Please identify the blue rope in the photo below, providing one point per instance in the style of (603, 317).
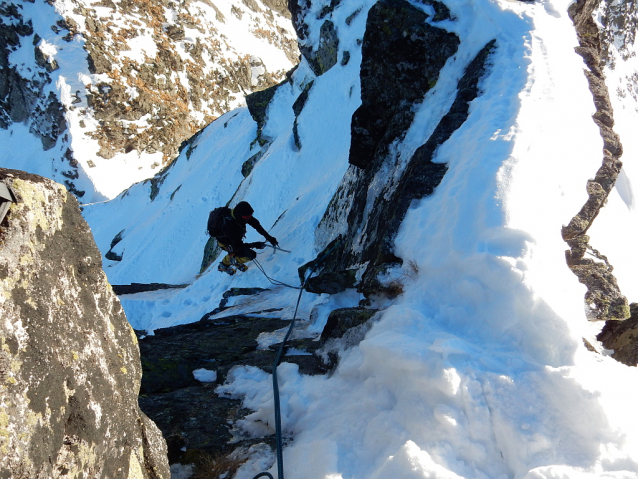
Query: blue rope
(275, 384)
(276, 282)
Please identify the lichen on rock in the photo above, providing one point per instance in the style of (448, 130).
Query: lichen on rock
(69, 360)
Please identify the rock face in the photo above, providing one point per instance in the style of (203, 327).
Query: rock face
(194, 419)
(622, 337)
(70, 367)
(395, 29)
(369, 238)
(603, 298)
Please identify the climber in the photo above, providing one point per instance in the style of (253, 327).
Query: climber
(228, 227)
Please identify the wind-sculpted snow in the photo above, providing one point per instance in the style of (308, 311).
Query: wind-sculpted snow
(476, 366)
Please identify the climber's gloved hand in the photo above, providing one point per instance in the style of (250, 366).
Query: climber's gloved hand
(272, 240)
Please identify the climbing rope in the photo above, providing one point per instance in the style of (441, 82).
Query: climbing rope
(276, 282)
(275, 383)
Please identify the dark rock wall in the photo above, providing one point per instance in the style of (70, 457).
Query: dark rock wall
(622, 338)
(603, 299)
(402, 58)
(70, 368)
(372, 227)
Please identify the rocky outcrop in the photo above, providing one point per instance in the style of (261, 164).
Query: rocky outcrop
(258, 103)
(622, 338)
(211, 252)
(297, 108)
(324, 57)
(398, 31)
(332, 282)
(193, 418)
(70, 368)
(603, 299)
(340, 321)
(371, 228)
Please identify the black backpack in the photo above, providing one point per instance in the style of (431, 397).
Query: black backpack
(219, 221)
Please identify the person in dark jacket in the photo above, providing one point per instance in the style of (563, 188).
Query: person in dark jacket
(232, 239)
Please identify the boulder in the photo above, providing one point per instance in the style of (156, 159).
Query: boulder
(344, 319)
(70, 367)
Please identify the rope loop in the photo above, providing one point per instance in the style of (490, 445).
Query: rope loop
(272, 281)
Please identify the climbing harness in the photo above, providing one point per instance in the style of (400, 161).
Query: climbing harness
(275, 383)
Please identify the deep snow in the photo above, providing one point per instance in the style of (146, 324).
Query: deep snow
(478, 370)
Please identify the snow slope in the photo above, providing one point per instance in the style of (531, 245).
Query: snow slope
(478, 370)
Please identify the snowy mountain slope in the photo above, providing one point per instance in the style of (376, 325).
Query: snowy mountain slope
(113, 88)
(478, 368)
